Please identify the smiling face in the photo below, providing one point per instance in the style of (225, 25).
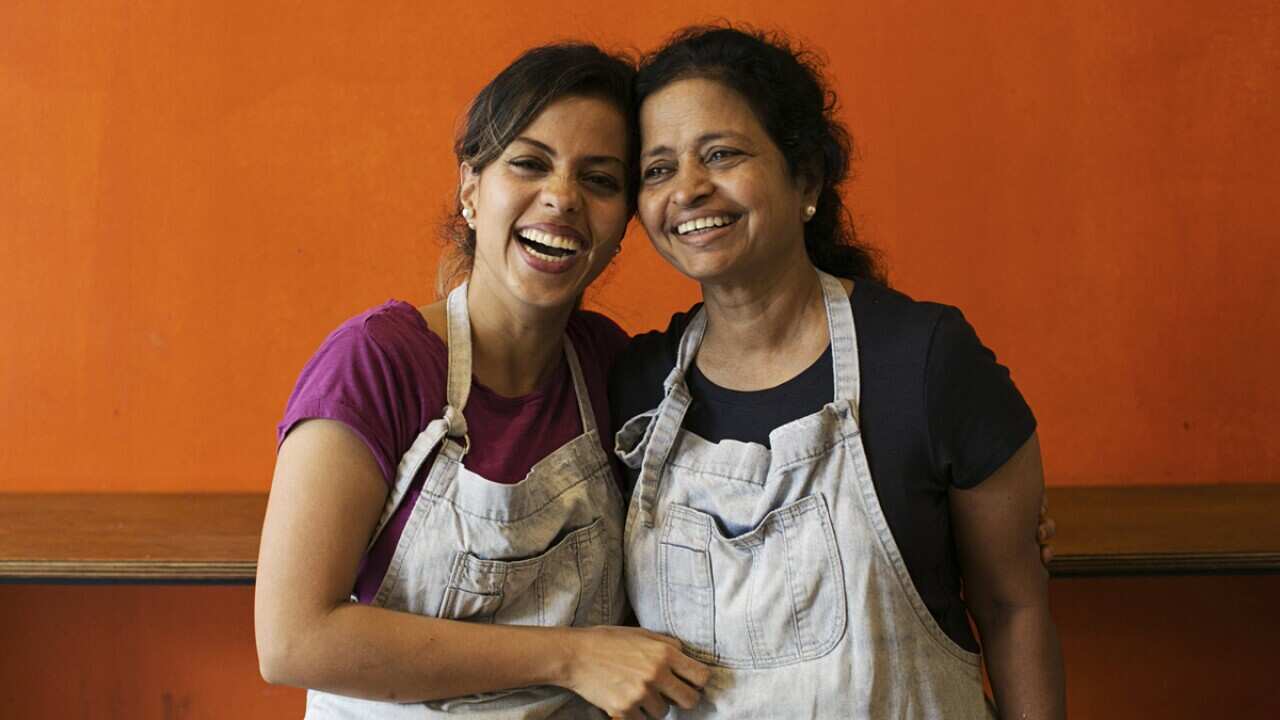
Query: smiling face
(716, 196)
(552, 208)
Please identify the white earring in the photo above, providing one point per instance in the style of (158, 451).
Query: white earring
(467, 214)
(809, 212)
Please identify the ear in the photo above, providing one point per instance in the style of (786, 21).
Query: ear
(468, 185)
(809, 179)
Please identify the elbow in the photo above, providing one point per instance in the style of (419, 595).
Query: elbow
(279, 656)
(274, 661)
(1000, 611)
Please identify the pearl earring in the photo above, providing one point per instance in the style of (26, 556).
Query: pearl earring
(467, 214)
(809, 212)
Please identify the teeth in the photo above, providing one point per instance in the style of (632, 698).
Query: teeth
(555, 241)
(701, 223)
(544, 256)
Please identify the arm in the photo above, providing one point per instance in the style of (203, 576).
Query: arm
(326, 497)
(1006, 587)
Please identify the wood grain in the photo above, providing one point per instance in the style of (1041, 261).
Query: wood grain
(1131, 530)
(1163, 530)
(141, 537)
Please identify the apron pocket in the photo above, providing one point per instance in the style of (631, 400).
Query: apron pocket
(461, 604)
(688, 598)
(770, 597)
(547, 589)
(630, 441)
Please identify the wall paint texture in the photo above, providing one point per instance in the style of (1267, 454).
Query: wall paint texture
(193, 197)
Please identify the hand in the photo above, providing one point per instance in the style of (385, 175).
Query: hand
(633, 673)
(1046, 531)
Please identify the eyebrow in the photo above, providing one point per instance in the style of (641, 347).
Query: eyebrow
(590, 159)
(702, 140)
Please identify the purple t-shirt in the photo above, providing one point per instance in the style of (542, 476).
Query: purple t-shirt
(382, 373)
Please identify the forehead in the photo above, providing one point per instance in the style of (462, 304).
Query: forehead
(581, 126)
(693, 107)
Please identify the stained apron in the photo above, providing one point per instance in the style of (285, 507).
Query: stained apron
(776, 565)
(545, 551)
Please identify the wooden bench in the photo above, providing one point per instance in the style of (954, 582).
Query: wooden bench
(213, 538)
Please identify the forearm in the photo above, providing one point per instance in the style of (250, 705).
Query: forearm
(380, 654)
(1024, 661)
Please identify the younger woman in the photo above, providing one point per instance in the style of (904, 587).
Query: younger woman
(450, 462)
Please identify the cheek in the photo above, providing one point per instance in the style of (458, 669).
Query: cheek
(649, 210)
(609, 222)
(500, 201)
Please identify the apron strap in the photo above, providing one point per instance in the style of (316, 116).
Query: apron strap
(407, 470)
(452, 425)
(844, 342)
(580, 387)
(667, 421)
(458, 386)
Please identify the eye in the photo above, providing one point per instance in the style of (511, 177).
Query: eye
(603, 182)
(528, 164)
(655, 173)
(721, 154)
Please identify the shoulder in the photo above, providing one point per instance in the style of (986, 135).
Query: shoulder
(898, 330)
(378, 373)
(387, 344)
(896, 326)
(390, 339)
(596, 338)
(395, 327)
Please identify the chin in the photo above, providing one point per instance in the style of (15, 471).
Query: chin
(704, 268)
(540, 295)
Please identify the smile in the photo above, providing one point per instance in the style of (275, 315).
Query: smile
(704, 224)
(545, 246)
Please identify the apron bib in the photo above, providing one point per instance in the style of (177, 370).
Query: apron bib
(776, 565)
(545, 551)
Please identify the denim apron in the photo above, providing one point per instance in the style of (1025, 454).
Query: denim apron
(545, 551)
(776, 565)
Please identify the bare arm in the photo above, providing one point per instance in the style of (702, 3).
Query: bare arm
(1006, 587)
(326, 497)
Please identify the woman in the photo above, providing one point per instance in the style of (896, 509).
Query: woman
(450, 462)
(805, 445)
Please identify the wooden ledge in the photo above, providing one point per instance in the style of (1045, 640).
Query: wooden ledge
(1166, 530)
(1102, 531)
(130, 537)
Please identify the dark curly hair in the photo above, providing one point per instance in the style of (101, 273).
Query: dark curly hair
(513, 99)
(783, 84)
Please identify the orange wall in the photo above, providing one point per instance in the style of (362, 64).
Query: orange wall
(192, 198)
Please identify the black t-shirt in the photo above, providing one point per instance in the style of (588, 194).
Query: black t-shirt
(937, 410)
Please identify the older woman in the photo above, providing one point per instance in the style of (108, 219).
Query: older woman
(818, 461)
(444, 526)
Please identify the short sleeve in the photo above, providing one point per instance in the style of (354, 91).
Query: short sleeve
(357, 380)
(977, 418)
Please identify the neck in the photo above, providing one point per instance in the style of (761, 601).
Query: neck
(764, 331)
(515, 347)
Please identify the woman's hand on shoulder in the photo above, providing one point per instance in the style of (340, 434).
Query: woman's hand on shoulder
(1046, 531)
(633, 673)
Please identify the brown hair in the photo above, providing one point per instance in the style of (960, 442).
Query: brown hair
(512, 100)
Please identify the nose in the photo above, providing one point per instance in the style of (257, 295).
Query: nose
(692, 185)
(561, 193)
